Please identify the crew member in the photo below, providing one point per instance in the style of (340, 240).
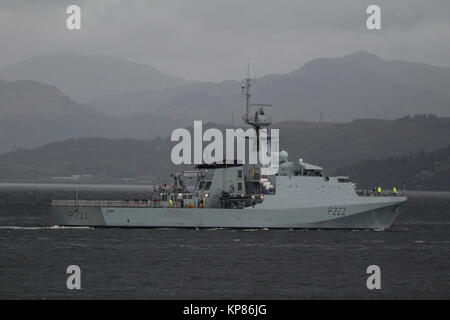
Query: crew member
(395, 191)
(379, 191)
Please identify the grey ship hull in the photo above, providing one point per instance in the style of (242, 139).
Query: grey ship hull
(376, 215)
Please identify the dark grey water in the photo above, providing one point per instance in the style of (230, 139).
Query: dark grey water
(212, 263)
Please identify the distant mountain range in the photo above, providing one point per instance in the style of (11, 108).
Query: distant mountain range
(334, 145)
(331, 145)
(419, 171)
(103, 158)
(359, 85)
(27, 98)
(87, 77)
(34, 113)
(131, 100)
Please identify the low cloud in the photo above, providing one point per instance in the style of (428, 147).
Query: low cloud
(211, 39)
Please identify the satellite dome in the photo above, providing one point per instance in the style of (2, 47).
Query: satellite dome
(283, 156)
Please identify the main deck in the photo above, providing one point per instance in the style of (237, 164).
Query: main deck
(104, 203)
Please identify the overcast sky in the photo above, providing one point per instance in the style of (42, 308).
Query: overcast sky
(211, 39)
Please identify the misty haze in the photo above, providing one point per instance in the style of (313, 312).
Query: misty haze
(86, 118)
(91, 87)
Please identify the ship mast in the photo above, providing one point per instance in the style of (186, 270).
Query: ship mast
(246, 93)
(255, 114)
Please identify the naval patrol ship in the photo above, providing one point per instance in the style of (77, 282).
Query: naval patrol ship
(238, 195)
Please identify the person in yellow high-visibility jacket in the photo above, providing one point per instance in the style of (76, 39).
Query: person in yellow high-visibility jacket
(170, 203)
(379, 190)
(395, 191)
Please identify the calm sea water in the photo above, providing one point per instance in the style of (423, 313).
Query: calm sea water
(414, 257)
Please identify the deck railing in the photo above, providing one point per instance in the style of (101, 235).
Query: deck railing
(371, 193)
(115, 203)
(103, 203)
